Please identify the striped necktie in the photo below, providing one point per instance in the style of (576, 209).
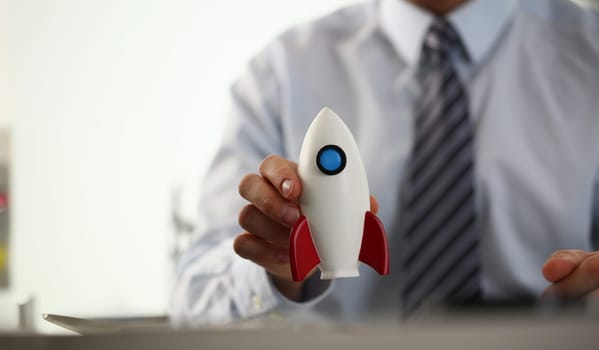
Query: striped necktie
(440, 262)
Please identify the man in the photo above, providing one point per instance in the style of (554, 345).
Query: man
(479, 129)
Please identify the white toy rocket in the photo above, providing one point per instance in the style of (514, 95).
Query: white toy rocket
(336, 228)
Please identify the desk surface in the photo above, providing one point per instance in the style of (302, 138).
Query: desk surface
(531, 332)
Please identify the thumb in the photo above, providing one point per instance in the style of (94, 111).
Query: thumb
(561, 264)
(374, 205)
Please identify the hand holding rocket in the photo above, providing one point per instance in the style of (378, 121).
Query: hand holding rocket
(273, 194)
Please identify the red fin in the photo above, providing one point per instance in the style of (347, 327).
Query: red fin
(375, 249)
(302, 253)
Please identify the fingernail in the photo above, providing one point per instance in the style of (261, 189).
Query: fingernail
(290, 215)
(567, 256)
(286, 187)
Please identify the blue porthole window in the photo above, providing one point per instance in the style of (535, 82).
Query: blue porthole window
(331, 160)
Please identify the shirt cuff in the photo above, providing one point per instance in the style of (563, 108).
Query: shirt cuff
(255, 293)
(314, 291)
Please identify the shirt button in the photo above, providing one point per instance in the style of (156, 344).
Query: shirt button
(257, 302)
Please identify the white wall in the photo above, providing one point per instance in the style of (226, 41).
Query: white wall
(5, 95)
(117, 102)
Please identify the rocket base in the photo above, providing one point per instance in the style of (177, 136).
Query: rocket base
(329, 275)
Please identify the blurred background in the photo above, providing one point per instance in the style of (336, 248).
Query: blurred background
(110, 111)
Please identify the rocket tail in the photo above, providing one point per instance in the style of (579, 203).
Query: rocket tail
(302, 253)
(375, 249)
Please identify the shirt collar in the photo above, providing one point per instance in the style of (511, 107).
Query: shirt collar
(479, 23)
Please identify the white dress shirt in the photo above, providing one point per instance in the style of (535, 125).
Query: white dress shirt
(533, 83)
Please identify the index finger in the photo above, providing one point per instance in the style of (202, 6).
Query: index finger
(562, 263)
(282, 174)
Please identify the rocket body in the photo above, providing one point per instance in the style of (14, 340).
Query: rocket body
(335, 204)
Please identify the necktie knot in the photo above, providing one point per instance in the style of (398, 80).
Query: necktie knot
(440, 40)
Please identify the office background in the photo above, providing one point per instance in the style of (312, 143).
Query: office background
(114, 109)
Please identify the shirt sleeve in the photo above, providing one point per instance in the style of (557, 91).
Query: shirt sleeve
(213, 284)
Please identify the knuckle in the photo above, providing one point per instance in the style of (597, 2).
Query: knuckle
(267, 204)
(245, 216)
(282, 240)
(246, 184)
(591, 266)
(282, 170)
(239, 245)
(267, 162)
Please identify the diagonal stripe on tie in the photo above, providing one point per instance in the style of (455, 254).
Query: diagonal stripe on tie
(460, 264)
(420, 262)
(431, 285)
(430, 213)
(442, 163)
(428, 141)
(424, 266)
(440, 260)
(437, 233)
(464, 287)
(439, 141)
(441, 111)
(434, 86)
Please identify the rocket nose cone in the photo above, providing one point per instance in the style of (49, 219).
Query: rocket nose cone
(326, 111)
(327, 115)
(328, 120)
